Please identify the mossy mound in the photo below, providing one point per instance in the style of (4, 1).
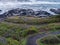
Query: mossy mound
(50, 40)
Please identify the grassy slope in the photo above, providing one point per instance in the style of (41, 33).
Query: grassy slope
(20, 30)
(48, 38)
(32, 20)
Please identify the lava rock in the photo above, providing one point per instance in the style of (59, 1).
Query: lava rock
(26, 12)
(56, 11)
(0, 10)
(42, 13)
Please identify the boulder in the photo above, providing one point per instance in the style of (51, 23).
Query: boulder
(42, 13)
(56, 11)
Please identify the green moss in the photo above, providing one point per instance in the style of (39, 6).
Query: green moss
(28, 31)
(50, 40)
(12, 42)
(23, 42)
(51, 27)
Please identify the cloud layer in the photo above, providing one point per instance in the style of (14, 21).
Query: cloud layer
(9, 5)
(38, 2)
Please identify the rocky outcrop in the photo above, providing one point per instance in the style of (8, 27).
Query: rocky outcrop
(42, 13)
(0, 10)
(21, 12)
(3, 16)
(56, 11)
(25, 12)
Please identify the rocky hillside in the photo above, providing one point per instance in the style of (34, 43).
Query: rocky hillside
(26, 12)
(29, 12)
(56, 11)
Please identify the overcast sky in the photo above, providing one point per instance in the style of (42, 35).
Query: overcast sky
(9, 4)
(30, 2)
(33, 0)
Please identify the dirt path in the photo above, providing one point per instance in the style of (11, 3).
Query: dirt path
(32, 40)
